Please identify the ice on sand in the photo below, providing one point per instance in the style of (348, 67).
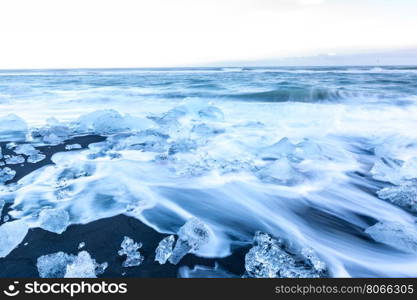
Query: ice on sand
(12, 128)
(14, 159)
(164, 249)
(131, 249)
(33, 154)
(191, 236)
(72, 146)
(54, 220)
(60, 264)
(6, 174)
(11, 235)
(269, 258)
(53, 133)
(401, 236)
(83, 266)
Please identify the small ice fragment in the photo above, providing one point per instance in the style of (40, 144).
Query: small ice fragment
(6, 218)
(54, 220)
(164, 249)
(72, 146)
(280, 171)
(35, 158)
(130, 249)
(191, 236)
(12, 128)
(25, 244)
(268, 258)
(83, 266)
(81, 245)
(53, 265)
(6, 174)
(400, 236)
(211, 113)
(14, 159)
(404, 196)
(11, 235)
(282, 148)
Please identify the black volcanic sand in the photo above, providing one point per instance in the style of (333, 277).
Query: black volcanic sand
(102, 238)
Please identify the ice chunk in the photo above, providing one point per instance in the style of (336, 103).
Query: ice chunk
(1, 153)
(191, 236)
(388, 170)
(11, 235)
(35, 158)
(309, 150)
(53, 265)
(6, 174)
(130, 249)
(164, 249)
(280, 149)
(53, 133)
(211, 113)
(148, 140)
(83, 266)
(206, 130)
(2, 203)
(270, 259)
(14, 159)
(72, 146)
(60, 264)
(182, 145)
(404, 195)
(26, 149)
(280, 171)
(12, 128)
(54, 220)
(110, 121)
(401, 236)
(81, 245)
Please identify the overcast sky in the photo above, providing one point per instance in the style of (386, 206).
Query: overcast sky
(163, 33)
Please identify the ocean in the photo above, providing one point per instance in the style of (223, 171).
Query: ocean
(314, 164)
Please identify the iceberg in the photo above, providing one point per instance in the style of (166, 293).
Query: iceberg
(269, 258)
(397, 235)
(130, 249)
(12, 128)
(191, 236)
(54, 220)
(164, 249)
(11, 235)
(6, 174)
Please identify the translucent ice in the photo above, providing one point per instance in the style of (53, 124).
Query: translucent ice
(6, 174)
(12, 128)
(164, 249)
(191, 236)
(53, 133)
(14, 159)
(404, 195)
(72, 146)
(211, 113)
(282, 148)
(33, 154)
(83, 266)
(54, 220)
(11, 235)
(182, 145)
(401, 236)
(280, 171)
(270, 259)
(60, 264)
(53, 265)
(35, 158)
(206, 130)
(131, 249)
(388, 170)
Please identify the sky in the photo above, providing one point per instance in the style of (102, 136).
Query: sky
(173, 33)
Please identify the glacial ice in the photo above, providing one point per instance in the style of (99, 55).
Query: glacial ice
(11, 235)
(404, 195)
(397, 235)
(6, 174)
(110, 121)
(212, 113)
(12, 128)
(14, 159)
(35, 158)
(191, 236)
(33, 154)
(54, 220)
(81, 245)
(164, 249)
(2, 203)
(131, 249)
(268, 258)
(72, 146)
(53, 133)
(283, 148)
(60, 265)
(280, 171)
(388, 170)
(1, 153)
(83, 266)
(182, 145)
(206, 130)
